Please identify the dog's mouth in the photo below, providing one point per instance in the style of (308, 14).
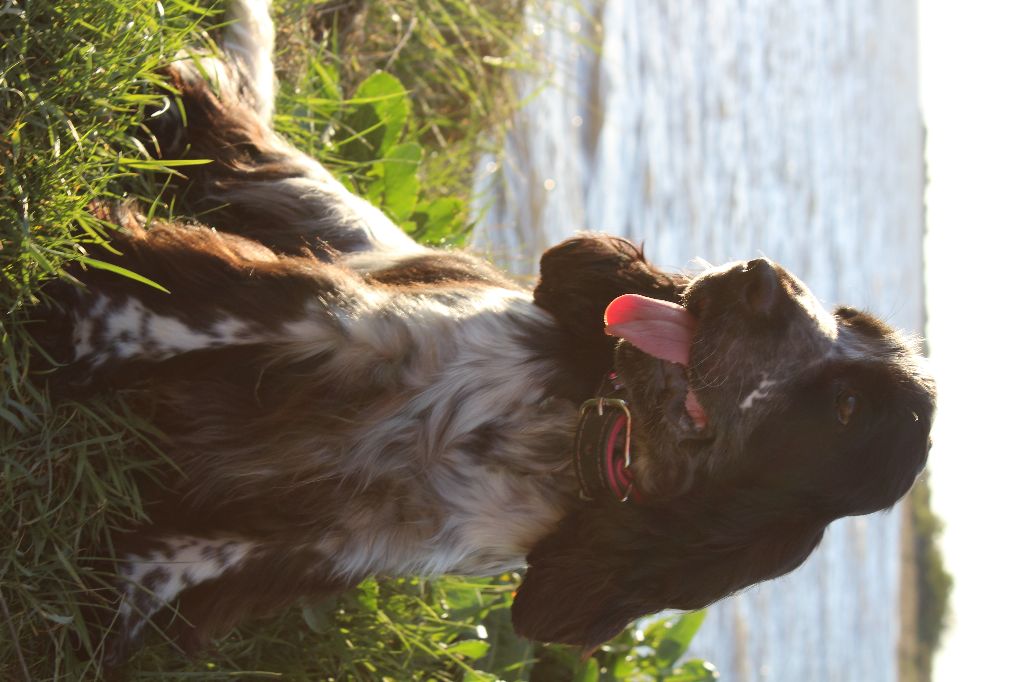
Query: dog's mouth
(664, 331)
(681, 407)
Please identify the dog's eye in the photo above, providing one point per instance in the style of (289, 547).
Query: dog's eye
(846, 405)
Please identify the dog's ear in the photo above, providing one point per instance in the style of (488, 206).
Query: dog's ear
(582, 275)
(578, 587)
(608, 564)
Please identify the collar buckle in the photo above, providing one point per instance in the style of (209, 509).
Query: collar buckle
(601, 421)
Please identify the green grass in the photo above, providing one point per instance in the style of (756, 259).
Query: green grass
(452, 56)
(75, 78)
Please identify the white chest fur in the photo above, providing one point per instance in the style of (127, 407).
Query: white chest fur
(481, 448)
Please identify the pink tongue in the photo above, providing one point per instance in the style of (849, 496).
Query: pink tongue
(659, 328)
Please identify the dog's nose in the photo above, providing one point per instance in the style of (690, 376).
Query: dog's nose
(761, 287)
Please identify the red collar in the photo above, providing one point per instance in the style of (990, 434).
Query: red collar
(601, 449)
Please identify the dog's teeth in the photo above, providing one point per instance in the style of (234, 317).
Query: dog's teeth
(696, 411)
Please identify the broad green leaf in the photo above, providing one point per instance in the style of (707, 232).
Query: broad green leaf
(401, 186)
(378, 114)
(461, 598)
(624, 666)
(588, 672)
(676, 638)
(470, 648)
(439, 221)
(511, 655)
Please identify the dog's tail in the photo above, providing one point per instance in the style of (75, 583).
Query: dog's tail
(248, 41)
(254, 182)
(242, 70)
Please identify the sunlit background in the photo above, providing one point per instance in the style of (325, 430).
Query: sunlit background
(972, 58)
(811, 131)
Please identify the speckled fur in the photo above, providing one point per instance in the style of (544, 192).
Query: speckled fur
(330, 391)
(376, 428)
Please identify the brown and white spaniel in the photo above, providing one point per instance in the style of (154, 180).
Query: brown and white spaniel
(339, 402)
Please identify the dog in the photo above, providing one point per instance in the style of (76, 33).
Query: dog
(340, 402)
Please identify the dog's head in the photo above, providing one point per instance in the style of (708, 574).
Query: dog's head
(759, 418)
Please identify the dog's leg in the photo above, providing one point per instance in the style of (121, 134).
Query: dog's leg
(222, 291)
(219, 580)
(152, 578)
(257, 184)
(270, 579)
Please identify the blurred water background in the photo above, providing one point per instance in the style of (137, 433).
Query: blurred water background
(723, 130)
